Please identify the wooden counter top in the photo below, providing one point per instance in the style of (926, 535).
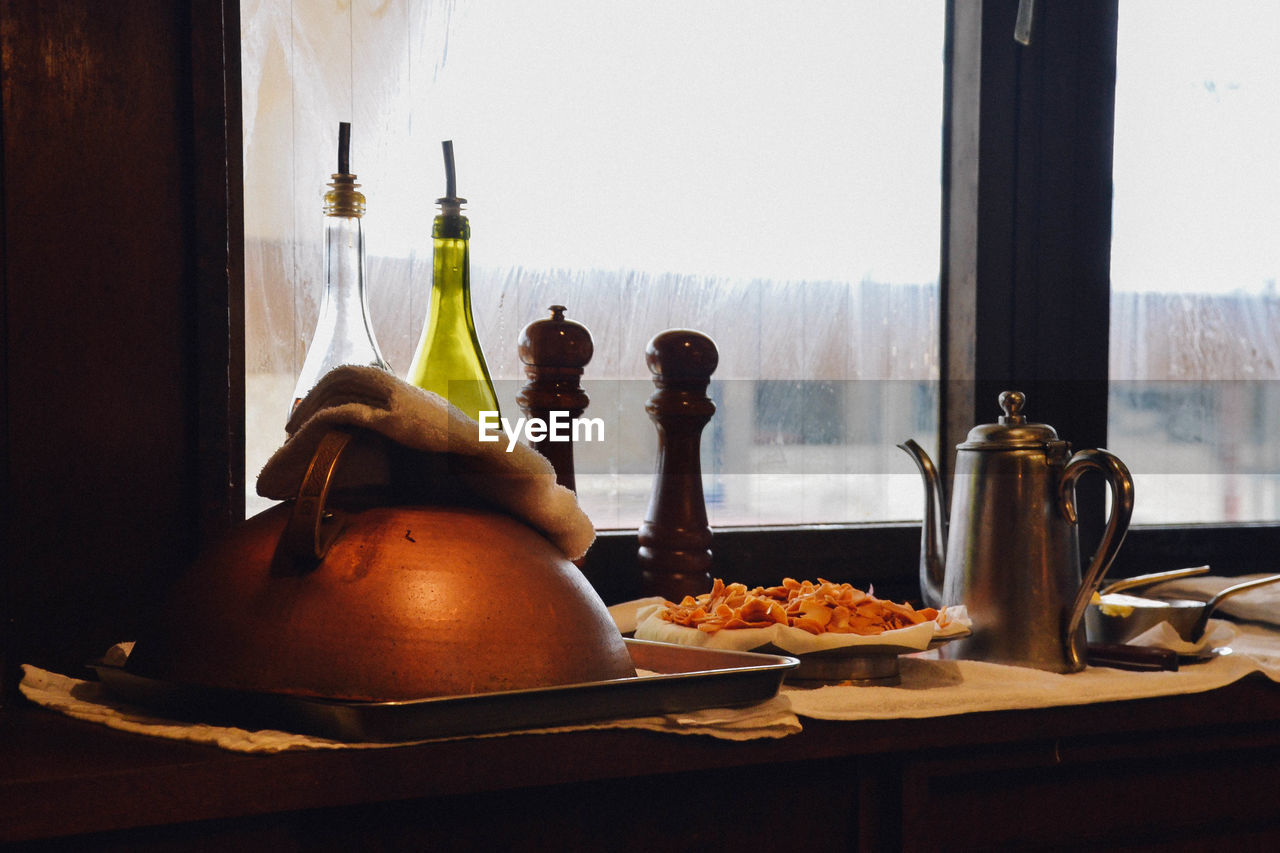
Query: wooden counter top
(1137, 769)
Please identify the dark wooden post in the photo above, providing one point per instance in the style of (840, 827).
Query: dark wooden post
(554, 352)
(675, 541)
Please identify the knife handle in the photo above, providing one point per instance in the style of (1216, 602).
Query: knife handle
(1141, 658)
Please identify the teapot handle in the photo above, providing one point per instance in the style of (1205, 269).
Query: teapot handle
(1121, 484)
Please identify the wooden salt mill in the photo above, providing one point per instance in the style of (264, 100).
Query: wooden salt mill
(675, 541)
(554, 352)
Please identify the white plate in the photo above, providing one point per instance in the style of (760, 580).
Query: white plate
(858, 658)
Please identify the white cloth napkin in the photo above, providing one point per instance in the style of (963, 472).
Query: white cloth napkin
(929, 687)
(88, 700)
(521, 481)
(1217, 633)
(933, 688)
(627, 614)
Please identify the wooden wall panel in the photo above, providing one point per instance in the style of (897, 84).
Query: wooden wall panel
(114, 240)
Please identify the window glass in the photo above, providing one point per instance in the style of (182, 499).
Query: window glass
(765, 173)
(1195, 324)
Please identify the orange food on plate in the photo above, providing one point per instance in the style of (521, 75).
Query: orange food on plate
(822, 607)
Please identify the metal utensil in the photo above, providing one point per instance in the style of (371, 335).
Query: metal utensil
(1197, 630)
(1138, 658)
(1152, 577)
(1121, 617)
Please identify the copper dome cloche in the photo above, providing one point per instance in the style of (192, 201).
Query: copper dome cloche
(338, 595)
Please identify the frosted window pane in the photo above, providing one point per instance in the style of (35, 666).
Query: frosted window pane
(768, 177)
(1195, 329)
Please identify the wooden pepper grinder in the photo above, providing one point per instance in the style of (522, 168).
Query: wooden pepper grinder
(675, 541)
(554, 352)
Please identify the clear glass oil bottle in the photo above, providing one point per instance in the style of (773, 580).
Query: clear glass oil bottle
(343, 332)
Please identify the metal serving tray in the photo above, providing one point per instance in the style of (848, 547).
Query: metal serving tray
(688, 679)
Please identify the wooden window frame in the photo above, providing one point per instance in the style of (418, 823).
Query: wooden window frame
(1027, 247)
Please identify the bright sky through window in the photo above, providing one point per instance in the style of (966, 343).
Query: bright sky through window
(1197, 171)
(747, 139)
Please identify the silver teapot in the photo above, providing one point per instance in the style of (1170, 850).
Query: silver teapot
(1012, 552)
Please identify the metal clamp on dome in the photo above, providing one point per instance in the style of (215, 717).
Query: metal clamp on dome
(311, 529)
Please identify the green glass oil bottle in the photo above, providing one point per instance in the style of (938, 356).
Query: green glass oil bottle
(449, 360)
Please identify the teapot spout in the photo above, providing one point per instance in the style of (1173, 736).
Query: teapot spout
(933, 533)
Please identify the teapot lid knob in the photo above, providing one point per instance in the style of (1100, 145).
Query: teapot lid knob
(1012, 402)
(1012, 431)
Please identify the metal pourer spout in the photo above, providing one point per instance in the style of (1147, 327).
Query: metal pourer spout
(450, 204)
(343, 199)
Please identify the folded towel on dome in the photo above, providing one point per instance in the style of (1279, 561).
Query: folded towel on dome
(520, 481)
